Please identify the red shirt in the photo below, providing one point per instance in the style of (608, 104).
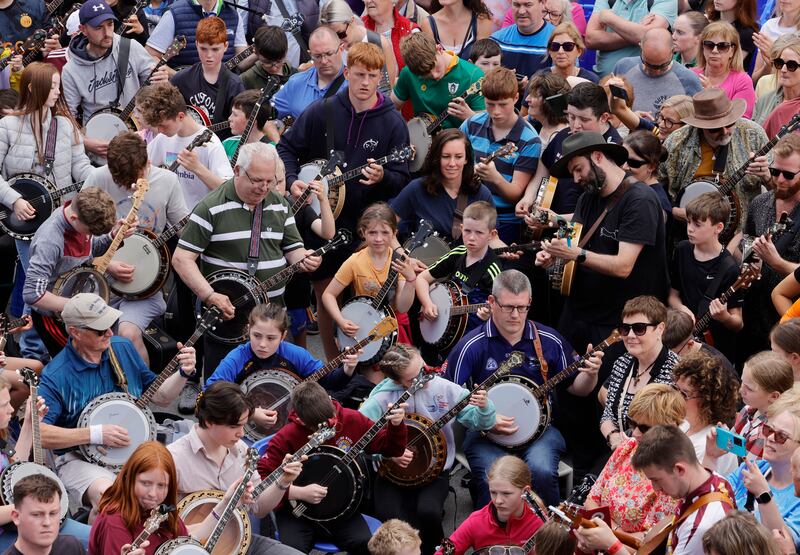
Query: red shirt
(482, 529)
(109, 534)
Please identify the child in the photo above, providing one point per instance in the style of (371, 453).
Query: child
(312, 407)
(553, 538)
(703, 269)
(785, 340)
(366, 270)
(395, 537)
(507, 519)
(473, 265)
(267, 348)
(270, 46)
(486, 54)
(422, 506)
(243, 106)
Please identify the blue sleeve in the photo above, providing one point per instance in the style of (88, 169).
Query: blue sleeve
(49, 391)
(485, 194)
(528, 159)
(403, 203)
(645, 124)
(229, 368)
(668, 9)
(460, 361)
(736, 481)
(474, 418)
(281, 99)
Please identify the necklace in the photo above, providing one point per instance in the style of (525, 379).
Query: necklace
(639, 375)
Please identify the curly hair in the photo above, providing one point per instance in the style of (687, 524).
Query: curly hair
(95, 209)
(717, 389)
(127, 158)
(160, 102)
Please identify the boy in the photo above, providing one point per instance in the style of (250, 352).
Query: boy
(507, 176)
(270, 46)
(703, 269)
(486, 54)
(201, 170)
(209, 85)
(313, 406)
(473, 265)
(433, 78)
(243, 106)
(395, 537)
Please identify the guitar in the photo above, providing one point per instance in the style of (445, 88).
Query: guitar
(9, 326)
(266, 93)
(540, 208)
(204, 137)
(562, 272)
(157, 516)
(505, 150)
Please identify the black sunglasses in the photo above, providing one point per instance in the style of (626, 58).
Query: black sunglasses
(343, 34)
(639, 328)
(556, 46)
(721, 47)
(787, 175)
(719, 129)
(644, 428)
(791, 65)
(636, 164)
(656, 67)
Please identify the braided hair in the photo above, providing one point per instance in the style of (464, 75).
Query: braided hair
(397, 359)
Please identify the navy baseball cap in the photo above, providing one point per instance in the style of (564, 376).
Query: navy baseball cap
(95, 12)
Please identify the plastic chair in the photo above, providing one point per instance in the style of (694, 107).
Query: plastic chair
(261, 444)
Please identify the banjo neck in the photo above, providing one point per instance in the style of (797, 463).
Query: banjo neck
(171, 231)
(532, 246)
(336, 361)
(267, 91)
(54, 5)
(467, 309)
(391, 279)
(101, 263)
(157, 516)
(36, 434)
(473, 89)
(230, 508)
(289, 271)
(239, 58)
(544, 390)
(339, 180)
(221, 126)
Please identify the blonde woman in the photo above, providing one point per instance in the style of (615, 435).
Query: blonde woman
(564, 47)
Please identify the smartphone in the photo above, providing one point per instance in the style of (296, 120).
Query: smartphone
(731, 442)
(557, 103)
(619, 92)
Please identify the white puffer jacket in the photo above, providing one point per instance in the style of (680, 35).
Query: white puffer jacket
(18, 154)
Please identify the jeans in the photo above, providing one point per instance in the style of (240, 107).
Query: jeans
(541, 455)
(30, 345)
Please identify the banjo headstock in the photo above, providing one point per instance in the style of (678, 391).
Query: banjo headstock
(323, 434)
(29, 376)
(385, 327)
(157, 516)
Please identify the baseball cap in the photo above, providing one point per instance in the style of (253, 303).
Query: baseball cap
(95, 12)
(87, 310)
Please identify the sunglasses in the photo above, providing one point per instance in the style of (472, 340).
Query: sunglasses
(636, 164)
(779, 437)
(644, 428)
(721, 47)
(787, 175)
(343, 34)
(656, 67)
(556, 46)
(718, 130)
(791, 65)
(98, 333)
(639, 328)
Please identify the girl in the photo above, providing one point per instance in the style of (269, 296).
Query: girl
(742, 15)
(645, 153)
(147, 480)
(268, 348)
(686, 37)
(785, 340)
(507, 518)
(422, 507)
(366, 270)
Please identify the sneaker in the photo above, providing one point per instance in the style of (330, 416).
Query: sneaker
(312, 328)
(188, 398)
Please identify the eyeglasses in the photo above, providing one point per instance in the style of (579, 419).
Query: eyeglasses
(343, 34)
(508, 308)
(686, 396)
(718, 130)
(779, 437)
(787, 175)
(636, 164)
(323, 55)
(556, 46)
(644, 428)
(639, 328)
(547, 14)
(791, 65)
(656, 67)
(258, 182)
(272, 63)
(668, 123)
(721, 47)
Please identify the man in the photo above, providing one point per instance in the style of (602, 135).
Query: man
(364, 126)
(208, 85)
(243, 106)
(480, 352)
(655, 76)
(507, 176)
(163, 205)
(270, 46)
(665, 455)
(524, 44)
(94, 363)
(91, 78)
(321, 81)
(218, 234)
(200, 170)
(715, 141)
(616, 28)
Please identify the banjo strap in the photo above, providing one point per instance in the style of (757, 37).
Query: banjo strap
(50, 146)
(255, 239)
(458, 215)
(537, 346)
(119, 374)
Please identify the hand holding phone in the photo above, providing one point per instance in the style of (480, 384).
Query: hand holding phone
(731, 442)
(619, 92)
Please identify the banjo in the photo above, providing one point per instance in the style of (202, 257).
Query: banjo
(204, 137)
(747, 276)
(268, 90)
(562, 272)
(109, 122)
(423, 126)
(427, 440)
(42, 194)
(30, 48)
(320, 170)
(340, 472)
(186, 545)
(727, 186)
(249, 291)
(432, 249)
(366, 311)
(540, 208)
(18, 470)
(529, 403)
(449, 326)
(10, 326)
(132, 414)
(271, 389)
(90, 278)
(157, 516)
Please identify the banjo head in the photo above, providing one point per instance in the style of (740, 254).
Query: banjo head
(36, 190)
(118, 409)
(513, 396)
(440, 332)
(307, 173)
(15, 472)
(235, 284)
(182, 546)
(344, 482)
(430, 251)
(694, 190)
(235, 539)
(106, 125)
(269, 389)
(138, 250)
(420, 139)
(360, 310)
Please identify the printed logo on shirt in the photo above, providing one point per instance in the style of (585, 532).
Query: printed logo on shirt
(344, 443)
(491, 364)
(452, 88)
(108, 78)
(610, 234)
(439, 404)
(204, 101)
(25, 20)
(370, 145)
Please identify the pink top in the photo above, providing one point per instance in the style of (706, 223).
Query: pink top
(578, 18)
(737, 84)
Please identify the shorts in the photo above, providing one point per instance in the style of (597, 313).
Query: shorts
(140, 313)
(78, 474)
(298, 320)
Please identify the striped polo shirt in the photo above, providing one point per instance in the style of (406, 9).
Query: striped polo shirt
(525, 54)
(219, 230)
(526, 158)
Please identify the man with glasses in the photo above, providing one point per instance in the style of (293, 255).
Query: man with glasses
(321, 81)
(481, 351)
(654, 75)
(270, 47)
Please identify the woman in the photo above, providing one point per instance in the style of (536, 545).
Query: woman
(564, 47)
(383, 18)
(686, 37)
(742, 15)
(670, 117)
(786, 64)
(338, 15)
(647, 360)
(457, 24)
(147, 480)
(633, 503)
(785, 341)
(785, 22)
(786, 83)
(719, 64)
(448, 172)
(541, 115)
(645, 153)
(711, 393)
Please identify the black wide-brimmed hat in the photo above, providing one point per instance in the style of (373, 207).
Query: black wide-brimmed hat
(579, 144)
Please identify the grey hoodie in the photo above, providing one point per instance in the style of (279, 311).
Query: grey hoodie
(91, 84)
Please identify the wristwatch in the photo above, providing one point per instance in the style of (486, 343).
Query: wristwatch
(581, 257)
(764, 498)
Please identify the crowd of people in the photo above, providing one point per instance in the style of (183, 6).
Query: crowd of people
(531, 244)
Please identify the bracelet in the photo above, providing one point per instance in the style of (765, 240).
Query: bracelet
(281, 486)
(615, 548)
(214, 512)
(184, 374)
